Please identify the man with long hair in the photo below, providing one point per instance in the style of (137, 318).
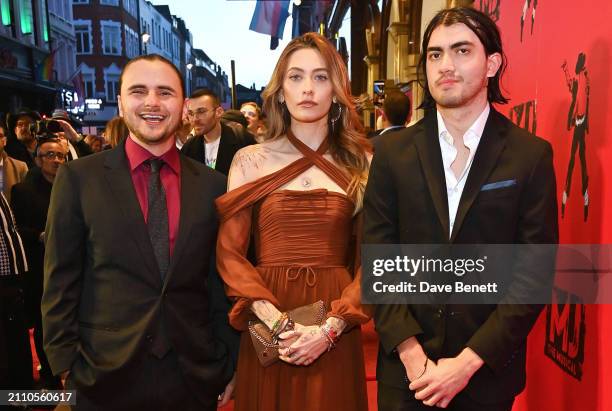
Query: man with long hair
(463, 175)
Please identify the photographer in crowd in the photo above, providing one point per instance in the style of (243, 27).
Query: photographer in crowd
(21, 142)
(75, 143)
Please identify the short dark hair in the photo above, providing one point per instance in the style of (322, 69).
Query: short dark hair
(40, 141)
(152, 57)
(396, 107)
(201, 92)
(236, 116)
(488, 34)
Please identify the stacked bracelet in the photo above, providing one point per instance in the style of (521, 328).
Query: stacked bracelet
(278, 323)
(282, 324)
(330, 335)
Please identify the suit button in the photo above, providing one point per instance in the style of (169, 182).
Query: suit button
(149, 338)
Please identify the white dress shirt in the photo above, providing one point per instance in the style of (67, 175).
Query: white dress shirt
(454, 185)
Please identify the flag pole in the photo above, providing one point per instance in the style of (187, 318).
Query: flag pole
(234, 97)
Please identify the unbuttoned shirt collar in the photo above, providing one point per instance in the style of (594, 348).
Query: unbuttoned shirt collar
(471, 139)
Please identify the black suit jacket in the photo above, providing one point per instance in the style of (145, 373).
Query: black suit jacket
(19, 151)
(375, 140)
(228, 146)
(30, 203)
(82, 149)
(406, 203)
(105, 306)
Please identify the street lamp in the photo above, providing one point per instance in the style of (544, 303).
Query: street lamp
(189, 66)
(145, 39)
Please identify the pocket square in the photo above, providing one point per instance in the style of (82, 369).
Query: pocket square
(498, 184)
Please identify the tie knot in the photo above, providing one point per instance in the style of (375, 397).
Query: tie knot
(156, 164)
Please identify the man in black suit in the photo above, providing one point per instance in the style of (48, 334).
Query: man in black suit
(129, 239)
(463, 175)
(213, 143)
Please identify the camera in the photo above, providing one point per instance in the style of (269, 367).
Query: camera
(45, 126)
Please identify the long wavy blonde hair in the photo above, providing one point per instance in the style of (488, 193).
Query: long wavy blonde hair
(348, 145)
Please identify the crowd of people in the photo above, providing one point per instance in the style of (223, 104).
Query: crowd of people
(194, 254)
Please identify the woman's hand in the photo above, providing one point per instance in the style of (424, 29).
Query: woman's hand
(228, 393)
(308, 343)
(266, 312)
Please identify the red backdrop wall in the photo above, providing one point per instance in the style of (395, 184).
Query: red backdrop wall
(569, 358)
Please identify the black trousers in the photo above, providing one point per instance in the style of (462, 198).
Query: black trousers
(15, 351)
(160, 386)
(396, 399)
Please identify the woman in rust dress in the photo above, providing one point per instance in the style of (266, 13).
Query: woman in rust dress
(298, 195)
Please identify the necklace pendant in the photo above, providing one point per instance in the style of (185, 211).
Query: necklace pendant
(306, 182)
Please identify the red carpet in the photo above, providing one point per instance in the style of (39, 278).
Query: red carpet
(370, 351)
(370, 347)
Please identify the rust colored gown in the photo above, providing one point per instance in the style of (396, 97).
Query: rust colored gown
(304, 244)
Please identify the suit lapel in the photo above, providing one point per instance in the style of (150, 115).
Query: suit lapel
(200, 149)
(430, 156)
(117, 174)
(490, 147)
(188, 211)
(226, 148)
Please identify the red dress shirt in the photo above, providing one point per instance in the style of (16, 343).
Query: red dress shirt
(170, 177)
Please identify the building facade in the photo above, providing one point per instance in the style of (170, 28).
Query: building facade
(63, 51)
(63, 40)
(25, 61)
(247, 94)
(179, 28)
(107, 36)
(111, 32)
(207, 74)
(155, 30)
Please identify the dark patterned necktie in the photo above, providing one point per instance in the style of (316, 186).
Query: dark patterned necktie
(157, 221)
